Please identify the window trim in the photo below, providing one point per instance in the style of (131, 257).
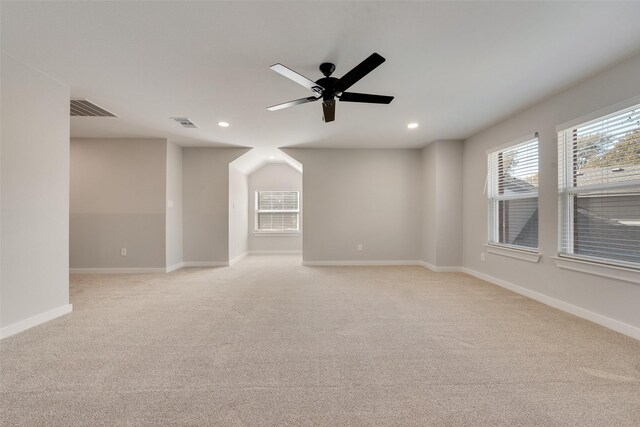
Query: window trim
(599, 114)
(592, 265)
(612, 271)
(511, 251)
(275, 233)
(492, 217)
(513, 144)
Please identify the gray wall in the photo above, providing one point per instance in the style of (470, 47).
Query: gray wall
(118, 196)
(442, 203)
(274, 176)
(205, 198)
(238, 213)
(449, 202)
(615, 299)
(174, 205)
(429, 214)
(34, 194)
(368, 197)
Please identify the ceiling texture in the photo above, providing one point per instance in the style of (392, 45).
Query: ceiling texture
(454, 67)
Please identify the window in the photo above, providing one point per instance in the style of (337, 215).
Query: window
(513, 195)
(599, 189)
(277, 211)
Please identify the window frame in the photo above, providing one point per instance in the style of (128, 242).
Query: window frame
(566, 209)
(257, 212)
(493, 202)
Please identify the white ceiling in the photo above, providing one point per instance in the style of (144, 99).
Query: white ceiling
(454, 67)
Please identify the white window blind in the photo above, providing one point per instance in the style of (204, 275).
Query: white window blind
(599, 189)
(513, 195)
(277, 211)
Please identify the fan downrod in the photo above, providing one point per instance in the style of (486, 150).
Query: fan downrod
(327, 68)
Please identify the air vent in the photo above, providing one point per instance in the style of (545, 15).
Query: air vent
(185, 122)
(84, 108)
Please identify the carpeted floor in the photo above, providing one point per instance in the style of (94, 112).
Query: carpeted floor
(269, 342)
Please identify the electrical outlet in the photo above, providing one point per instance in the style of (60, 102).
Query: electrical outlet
(482, 256)
(123, 251)
(359, 246)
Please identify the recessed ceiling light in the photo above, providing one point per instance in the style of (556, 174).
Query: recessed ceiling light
(271, 157)
(223, 124)
(412, 125)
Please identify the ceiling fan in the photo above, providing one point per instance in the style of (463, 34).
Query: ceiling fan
(329, 88)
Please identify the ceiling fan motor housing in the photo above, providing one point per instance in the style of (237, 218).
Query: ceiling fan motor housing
(329, 84)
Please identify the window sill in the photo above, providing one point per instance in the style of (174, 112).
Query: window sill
(276, 233)
(603, 270)
(523, 255)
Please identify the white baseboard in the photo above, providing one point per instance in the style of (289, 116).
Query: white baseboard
(152, 270)
(174, 267)
(440, 269)
(238, 258)
(116, 270)
(360, 263)
(36, 320)
(205, 264)
(424, 264)
(274, 252)
(607, 322)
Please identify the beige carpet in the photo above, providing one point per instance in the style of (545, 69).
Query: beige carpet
(269, 342)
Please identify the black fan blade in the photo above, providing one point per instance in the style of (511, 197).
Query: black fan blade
(329, 110)
(365, 97)
(292, 103)
(359, 71)
(298, 78)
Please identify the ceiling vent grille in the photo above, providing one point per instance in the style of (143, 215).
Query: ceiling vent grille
(185, 122)
(84, 108)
